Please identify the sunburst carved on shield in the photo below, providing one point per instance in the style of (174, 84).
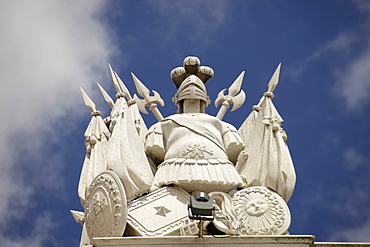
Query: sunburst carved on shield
(105, 207)
(261, 211)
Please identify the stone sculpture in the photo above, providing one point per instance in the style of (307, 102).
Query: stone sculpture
(137, 182)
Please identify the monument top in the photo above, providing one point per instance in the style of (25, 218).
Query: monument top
(137, 181)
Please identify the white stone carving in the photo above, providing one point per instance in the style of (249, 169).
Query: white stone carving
(231, 98)
(105, 206)
(137, 182)
(78, 216)
(261, 211)
(96, 142)
(125, 154)
(160, 213)
(225, 216)
(195, 153)
(266, 160)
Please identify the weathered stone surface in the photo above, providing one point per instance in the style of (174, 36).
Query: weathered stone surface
(250, 241)
(341, 244)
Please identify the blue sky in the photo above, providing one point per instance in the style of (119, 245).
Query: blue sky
(49, 49)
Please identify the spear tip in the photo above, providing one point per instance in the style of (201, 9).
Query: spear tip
(141, 89)
(114, 79)
(123, 87)
(274, 80)
(106, 96)
(88, 102)
(237, 84)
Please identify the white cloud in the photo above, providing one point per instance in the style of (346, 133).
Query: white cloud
(351, 80)
(353, 84)
(40, 233)
(48, 49)
(357, 234)
(191, 20)
(340, 45)
(352, 159)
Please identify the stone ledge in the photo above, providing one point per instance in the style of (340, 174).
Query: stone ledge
(221, 241)
(341, 244)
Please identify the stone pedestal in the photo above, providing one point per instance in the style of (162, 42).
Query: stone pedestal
(220, 241)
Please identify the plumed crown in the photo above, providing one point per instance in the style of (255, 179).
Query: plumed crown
(190, 80)
(191, 67)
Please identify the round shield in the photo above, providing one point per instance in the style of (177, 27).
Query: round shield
(261, 211)
(105, 206)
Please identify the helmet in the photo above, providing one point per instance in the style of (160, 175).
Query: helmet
(191, 88)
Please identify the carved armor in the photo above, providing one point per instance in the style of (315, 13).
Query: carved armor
(196, 152)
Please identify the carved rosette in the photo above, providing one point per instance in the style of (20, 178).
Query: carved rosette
(261, 211)
(106, 207)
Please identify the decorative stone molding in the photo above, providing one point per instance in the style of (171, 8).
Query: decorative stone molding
(193, 241)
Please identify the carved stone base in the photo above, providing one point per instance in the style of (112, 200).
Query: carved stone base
(255, 241)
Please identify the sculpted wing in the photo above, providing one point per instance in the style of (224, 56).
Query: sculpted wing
(266, 159)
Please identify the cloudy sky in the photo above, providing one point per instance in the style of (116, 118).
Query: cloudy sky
(49, 49)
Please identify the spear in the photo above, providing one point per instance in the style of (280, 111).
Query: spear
(115, 81)
(150, 101)
(123, 88)
(120, 86)
(106, 96)
(229, 99)
(89, 103)
(273, 81)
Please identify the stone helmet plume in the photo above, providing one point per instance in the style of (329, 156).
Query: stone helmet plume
(190, 80)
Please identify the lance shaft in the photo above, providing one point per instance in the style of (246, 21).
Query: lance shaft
(154, 108)
(221, 113)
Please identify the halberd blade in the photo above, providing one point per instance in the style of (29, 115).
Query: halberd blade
(238, 100)
(220, 97)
